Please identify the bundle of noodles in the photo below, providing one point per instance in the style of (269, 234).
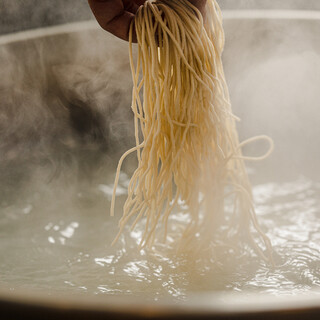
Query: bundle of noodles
(190, 153)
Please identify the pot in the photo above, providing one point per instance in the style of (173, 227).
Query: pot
(65, 116)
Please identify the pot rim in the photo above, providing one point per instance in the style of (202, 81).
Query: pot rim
(227, 15)
(210, 303)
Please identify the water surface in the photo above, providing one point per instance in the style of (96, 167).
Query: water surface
(57, 239)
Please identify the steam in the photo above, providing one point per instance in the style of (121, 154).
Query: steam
(65, 109)
(65, 102)
(273, 71)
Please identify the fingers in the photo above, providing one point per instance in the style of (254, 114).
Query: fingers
(114, 16)
(200, 4)
(131, 5)
(139, 2)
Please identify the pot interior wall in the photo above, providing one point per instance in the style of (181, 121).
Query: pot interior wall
(71, 92)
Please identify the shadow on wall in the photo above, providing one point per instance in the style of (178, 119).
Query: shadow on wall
(17, 15)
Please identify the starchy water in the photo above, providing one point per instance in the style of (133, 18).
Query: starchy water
(59, 240)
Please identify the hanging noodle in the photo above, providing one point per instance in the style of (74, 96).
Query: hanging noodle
(190, 151)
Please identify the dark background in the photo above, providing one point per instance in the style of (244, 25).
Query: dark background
(17, 15)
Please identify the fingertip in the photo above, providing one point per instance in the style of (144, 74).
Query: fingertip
(132, 7)
(120, 26)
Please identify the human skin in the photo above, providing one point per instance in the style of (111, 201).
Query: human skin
(115, 16)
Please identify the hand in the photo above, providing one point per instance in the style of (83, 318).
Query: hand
(115, 16)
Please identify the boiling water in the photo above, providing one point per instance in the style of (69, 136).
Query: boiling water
(57, 238)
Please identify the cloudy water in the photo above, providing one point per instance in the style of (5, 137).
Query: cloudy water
(59, 241)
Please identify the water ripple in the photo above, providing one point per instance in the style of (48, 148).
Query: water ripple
(61, 246)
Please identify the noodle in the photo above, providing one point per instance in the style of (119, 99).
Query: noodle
(190, 147)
